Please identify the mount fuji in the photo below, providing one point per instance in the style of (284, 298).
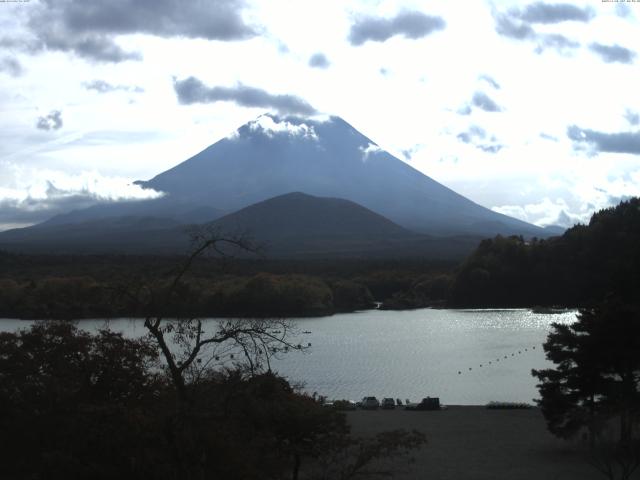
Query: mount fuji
(273, 155)
(269, 157)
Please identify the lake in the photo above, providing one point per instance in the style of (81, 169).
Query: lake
(465, 357)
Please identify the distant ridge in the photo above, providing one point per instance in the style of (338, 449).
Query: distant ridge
(294, 225)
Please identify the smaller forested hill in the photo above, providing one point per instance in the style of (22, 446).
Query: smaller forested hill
(579, 268)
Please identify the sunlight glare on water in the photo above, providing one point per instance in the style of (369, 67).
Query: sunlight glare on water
(465, 357)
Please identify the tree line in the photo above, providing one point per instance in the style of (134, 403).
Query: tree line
(578, 268)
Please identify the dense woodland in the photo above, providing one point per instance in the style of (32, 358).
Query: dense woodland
(65, 287)
(575, 269)
(578, 268)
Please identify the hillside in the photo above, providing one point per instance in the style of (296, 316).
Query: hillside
(578, 268)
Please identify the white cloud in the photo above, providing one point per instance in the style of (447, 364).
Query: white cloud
(370, 149)
(270, 125)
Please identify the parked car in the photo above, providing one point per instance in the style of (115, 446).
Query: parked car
(428, 403)
(370, 403)
(344, 405)
(388, 404)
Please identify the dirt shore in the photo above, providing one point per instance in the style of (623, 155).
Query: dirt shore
(473, 443)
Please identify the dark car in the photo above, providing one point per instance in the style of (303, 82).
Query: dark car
(428, 403)
(388, 404)
(370, 403)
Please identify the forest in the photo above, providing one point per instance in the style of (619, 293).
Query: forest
(573, 270)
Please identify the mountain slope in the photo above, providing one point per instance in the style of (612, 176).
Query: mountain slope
(272, 156)
(299, 216)
(126, 235)
(293, 225)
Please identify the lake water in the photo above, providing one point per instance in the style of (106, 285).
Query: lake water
(465, 357)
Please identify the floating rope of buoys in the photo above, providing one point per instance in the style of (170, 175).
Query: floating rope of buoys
(504, 357)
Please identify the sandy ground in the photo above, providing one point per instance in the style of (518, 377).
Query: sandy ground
(473, 443)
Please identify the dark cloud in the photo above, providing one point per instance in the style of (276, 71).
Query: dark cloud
(52, 121)
(482, 101)
(540, 12)
(507, 26)
(35, 210)
(622, 142)
(490, 81)
(11, 66)
(102, 86)
(192, 90)
(88, 28)
(410, 24)
(632, 117)
(511, 25)
(613, 53)
(319, 60)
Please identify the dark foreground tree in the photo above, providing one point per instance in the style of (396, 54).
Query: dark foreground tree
(69, 399)
(75, 405)
(595, 386)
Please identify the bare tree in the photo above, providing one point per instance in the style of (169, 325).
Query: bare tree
(188, 344)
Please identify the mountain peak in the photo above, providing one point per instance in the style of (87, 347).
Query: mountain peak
(326, 157)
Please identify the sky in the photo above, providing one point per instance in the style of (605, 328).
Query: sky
(530, 109)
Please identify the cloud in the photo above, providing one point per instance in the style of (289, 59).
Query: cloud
(512, 28)
(545, 13)
(410, 24)
(622, 142)
(546, 136)
(11, 66)
(473, 132)
(490, 81)
(102, 86)
(370, 149)
(475, 136)
(556, 41)
(482, 101)
(88, 28)
(513, 25)
(30, 210)
(319, 60)
(545, 212)
(52, 121)
(632, 117)
(192, 90)
(464, 110)
(491, 148)
(272, 125)
(613, 53)
(44, 199)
